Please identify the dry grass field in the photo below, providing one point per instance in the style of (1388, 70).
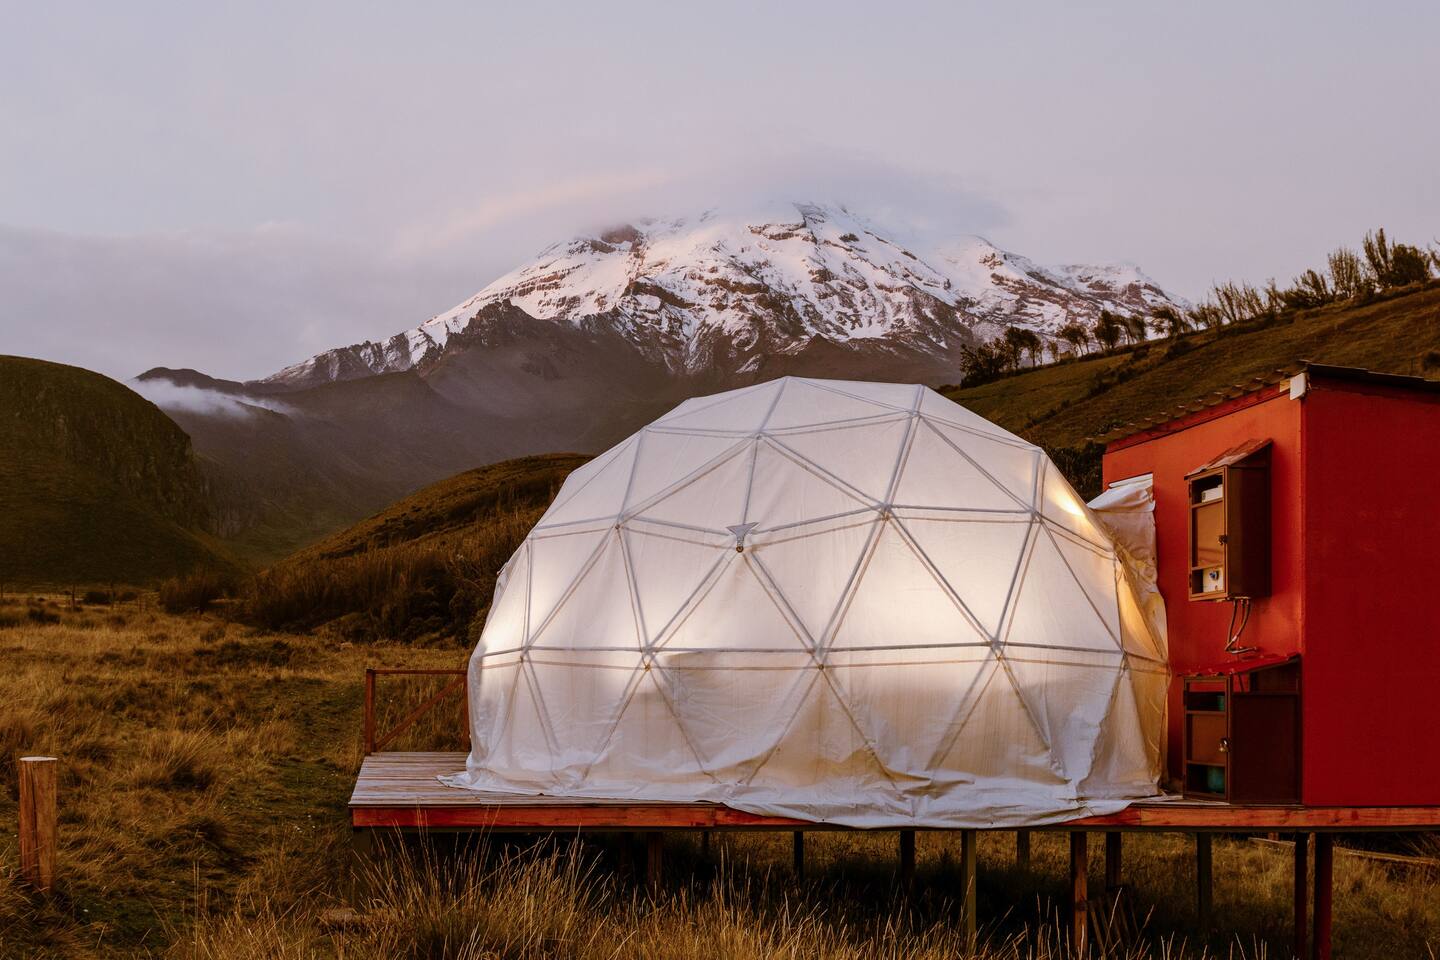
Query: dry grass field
(206, 767)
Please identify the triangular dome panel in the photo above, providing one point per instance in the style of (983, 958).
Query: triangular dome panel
(598, 612)
(738, 412)
(670, 569)
(595, 490)
(734, 610)
(1051, 610)
(862, 456)
(939, 474)
(666, 461)
(806, 404)
(909, 702)
(812, 568)
(979, 558)
(787, 491)
(712, 497)
(899, 602)
(1011, 465)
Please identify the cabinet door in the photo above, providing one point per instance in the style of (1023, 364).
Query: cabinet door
(1264, 748)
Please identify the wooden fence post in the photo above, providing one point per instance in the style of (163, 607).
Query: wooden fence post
(798, 854)
(1022, 850)
(37, 821)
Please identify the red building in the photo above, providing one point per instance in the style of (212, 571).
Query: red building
(1303, 513)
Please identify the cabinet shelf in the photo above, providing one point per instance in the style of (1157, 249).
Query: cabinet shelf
(1229, 521)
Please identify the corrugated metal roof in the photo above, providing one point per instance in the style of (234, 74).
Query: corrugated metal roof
(1234, 455)
(1273, 378)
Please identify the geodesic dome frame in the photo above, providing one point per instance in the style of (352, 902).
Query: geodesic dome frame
(847, 602)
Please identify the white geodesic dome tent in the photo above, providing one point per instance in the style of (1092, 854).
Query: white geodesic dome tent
(848, 602)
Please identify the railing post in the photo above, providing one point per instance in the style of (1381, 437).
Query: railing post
(37, 821)
(369, 710)
(465, 709)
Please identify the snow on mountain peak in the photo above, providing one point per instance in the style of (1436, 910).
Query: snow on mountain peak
(739, 284)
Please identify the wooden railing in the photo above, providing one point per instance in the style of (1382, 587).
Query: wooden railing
(376, 741)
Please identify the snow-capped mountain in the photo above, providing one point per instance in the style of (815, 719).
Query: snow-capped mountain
(717, 295)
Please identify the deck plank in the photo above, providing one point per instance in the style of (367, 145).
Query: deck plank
(403, 790)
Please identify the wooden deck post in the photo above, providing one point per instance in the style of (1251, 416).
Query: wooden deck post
(1324, 883)
(907, 860)
(37, 821)
(1113, 861)
(1022, 850)
(1079, 894)
(798, 854)
(969, 914)
(654, 860)
(362, 863)
(1203, 890)
(1302, 893)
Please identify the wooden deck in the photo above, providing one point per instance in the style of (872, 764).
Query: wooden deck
(400, 790)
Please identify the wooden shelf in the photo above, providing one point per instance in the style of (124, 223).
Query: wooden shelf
(1230, 533)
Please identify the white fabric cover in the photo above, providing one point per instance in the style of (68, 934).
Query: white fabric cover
(924, 624)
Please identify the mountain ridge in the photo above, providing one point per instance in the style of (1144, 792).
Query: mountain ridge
(692, 293)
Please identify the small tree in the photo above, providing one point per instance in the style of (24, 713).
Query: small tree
(1205, 314)
(1020, 341)
(1408, 265)
(1076, 334)
(1238, 302)
(1311, 289)
(980, 363)
(1169, 321)
(1134, 326)
(1348, 278)
(1107, 330)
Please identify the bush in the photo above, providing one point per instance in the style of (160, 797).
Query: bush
(96, 597)
(194, 592)
(42, 615)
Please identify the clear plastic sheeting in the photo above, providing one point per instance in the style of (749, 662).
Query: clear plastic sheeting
(855, 603)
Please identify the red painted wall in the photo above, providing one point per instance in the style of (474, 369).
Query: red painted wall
(1372, 598)
(1198, 629)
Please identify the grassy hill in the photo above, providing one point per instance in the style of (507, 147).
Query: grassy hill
(96, 483)
(1063, 405)
(423, 568)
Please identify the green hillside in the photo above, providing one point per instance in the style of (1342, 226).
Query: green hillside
(423, 568)
(1063, 405)
(96, 483)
